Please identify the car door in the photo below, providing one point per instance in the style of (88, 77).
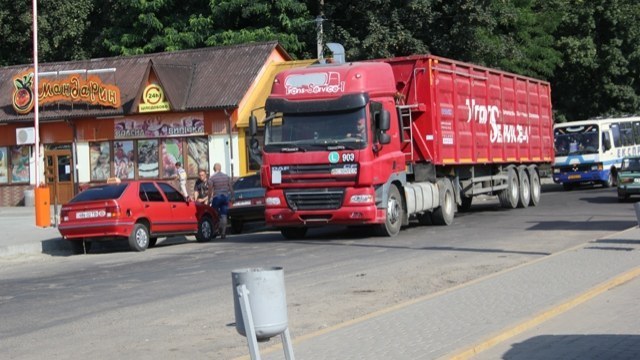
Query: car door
(183, 212)
(155, 207)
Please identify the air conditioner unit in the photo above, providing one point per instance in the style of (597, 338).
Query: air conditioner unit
(26, 136)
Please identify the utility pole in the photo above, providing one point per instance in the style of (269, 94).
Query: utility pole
(319, 30)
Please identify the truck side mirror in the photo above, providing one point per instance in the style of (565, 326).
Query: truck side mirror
(254, 144)
(253, 125)
(384, 120)
(384, 138)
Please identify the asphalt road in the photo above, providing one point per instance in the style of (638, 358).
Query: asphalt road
(175, 301)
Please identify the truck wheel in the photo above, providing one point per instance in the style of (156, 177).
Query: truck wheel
(534, 181)
(80, 246)
(293, 233)
(394, 214)
(524, 188)
(444, 214)
(139, 238)
(236, 226)
(205, 230)
(509, 196)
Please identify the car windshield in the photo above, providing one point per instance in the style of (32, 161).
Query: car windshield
(316, 131)
(247, 182)
(101, 192)
(576, 140)
(631, 164)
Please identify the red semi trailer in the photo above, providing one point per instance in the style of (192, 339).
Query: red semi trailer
(383, 141)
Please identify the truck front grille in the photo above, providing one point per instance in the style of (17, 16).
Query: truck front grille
(315, 199)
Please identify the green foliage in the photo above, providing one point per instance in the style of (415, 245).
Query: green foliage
(588, 50)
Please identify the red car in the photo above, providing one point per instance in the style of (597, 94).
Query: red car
(140, 211)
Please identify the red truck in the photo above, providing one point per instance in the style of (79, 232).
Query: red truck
(437, 132)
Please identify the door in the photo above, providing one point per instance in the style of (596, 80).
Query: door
(183, 211)
(156, 208)
(59, 175)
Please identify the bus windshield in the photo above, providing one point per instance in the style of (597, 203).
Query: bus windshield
(576, 140)
(316, 131)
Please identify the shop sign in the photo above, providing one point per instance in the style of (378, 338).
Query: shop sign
(75, 88)
(159, 127)
(153, 99)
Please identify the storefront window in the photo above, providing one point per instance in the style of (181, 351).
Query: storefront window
(171, 154)
(198, 155)
(124, 159)
(20, 163)
(148, 167)
(4, 166)
(100, 153)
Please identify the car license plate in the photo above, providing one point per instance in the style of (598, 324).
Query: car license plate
(572, 177)
(90, 214)
(242, 203)
(636, 180)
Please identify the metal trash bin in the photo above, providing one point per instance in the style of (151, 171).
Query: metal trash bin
(267, 300)
(29, 198)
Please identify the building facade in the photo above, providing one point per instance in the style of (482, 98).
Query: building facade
(128, 117)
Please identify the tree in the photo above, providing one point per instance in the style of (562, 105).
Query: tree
(62, 25)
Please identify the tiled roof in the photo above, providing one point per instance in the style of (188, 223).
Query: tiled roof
(199, 79)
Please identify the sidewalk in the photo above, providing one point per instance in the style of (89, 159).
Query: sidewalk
(20, 235)
(503, 315)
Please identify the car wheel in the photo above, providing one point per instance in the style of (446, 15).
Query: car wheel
(293, 233)
(205, 230)
(80, 246)
(236, 225)
(609, 182)
(139, 238)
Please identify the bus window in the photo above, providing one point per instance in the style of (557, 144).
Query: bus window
(636, 132)
(606, 141)
(615, 131)
(626, 132)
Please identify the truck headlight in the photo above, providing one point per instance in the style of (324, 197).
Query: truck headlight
(556, 170)
(361, 199)
(272, 201)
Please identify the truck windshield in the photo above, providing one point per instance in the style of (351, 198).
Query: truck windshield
(576, 140)
(317, 131)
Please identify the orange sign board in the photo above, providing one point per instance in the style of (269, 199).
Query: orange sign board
(153, 99)
(74, 88)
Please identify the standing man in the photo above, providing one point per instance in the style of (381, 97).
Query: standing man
(219, 192)
(182, 179)
(201, 188)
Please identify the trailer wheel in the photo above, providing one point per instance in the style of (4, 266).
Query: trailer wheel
(444, 214)
(534, 180)
(394, 214)
(509, 197)
(524, 189)
(293, 233)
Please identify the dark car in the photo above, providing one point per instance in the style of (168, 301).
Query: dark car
(140, 211)
(629, 178)
(247, 203)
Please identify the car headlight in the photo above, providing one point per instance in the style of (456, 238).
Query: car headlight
(556, 170)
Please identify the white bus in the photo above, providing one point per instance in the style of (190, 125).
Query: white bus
(591, 151)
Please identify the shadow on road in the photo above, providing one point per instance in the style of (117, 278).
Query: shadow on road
(609, 225)
(576, 347)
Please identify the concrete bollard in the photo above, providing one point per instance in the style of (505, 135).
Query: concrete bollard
(266, 298)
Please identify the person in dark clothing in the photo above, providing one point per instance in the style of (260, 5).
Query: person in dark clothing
(201, 188)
